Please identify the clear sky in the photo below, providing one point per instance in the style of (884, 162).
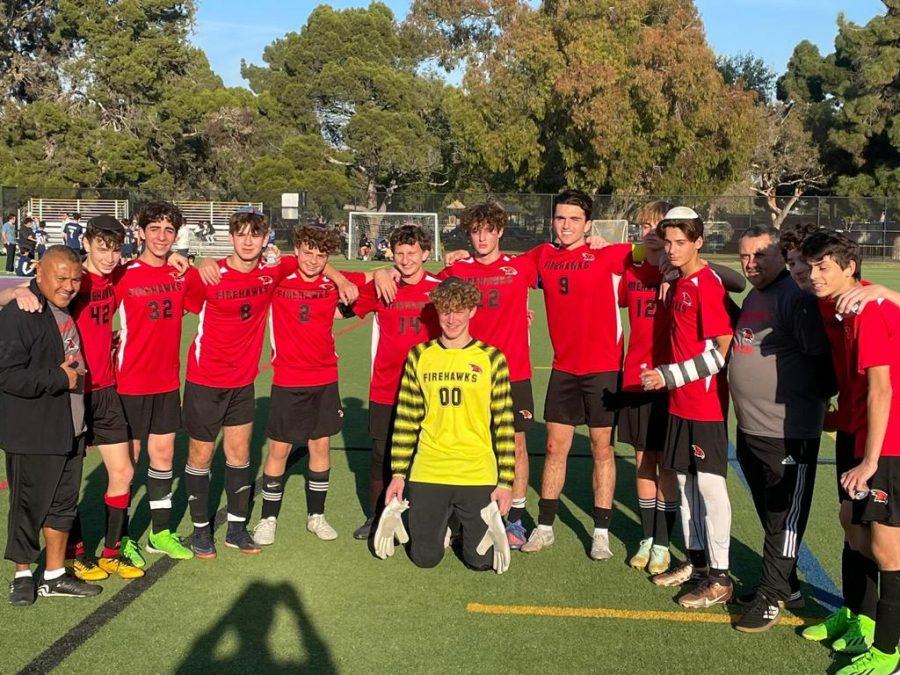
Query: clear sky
(229, 30)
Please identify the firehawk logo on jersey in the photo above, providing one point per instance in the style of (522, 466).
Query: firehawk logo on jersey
(686, 299)
(526, 414)
(328, 286)
(265, 280)
(71, 346)
(452, 375)
(588, 257)
(746, 334)
(879, 496)
(509, 271)
(175, 274)
(475, 368)
(698, 452)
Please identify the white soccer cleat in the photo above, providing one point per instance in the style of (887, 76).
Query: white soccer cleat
(600, 547)
(264, 533)
(539, 540)
(317, 524)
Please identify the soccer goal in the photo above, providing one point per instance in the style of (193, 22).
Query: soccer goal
(378, 225)
(614, 231)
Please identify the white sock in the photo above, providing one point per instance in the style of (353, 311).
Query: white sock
(601, 531)
(23, 573)
(50, 575)
(717, 507)
(545, 528)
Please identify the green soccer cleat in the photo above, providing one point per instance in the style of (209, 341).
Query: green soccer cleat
(131, 551)
(834, 625)
(858, 638)
(872, 662)
(169, 544)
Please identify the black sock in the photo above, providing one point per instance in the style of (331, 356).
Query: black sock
(197, 481)
(849, 579)
(316, 491)
(602, 517)
(664, 522)
(887, 616)
(272, 492)
(237, 490)
(159, 492)
(517, 510)
(116, 517)
(697, 557)
(868, 570)
(547, 511)
(647, 508)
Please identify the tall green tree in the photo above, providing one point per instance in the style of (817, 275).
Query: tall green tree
(348, 83)
(750, 72)
(854, 95)
(614, 98)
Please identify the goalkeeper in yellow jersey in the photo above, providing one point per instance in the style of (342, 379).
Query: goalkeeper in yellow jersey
(453, 438)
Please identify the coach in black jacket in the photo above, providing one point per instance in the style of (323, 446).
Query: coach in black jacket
(42, 427)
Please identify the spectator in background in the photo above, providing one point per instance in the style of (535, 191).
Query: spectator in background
(25, 263)
(128, 245)
(8, 234)
(26, 239)
(72, 233)
(183, 240)
(365, 246)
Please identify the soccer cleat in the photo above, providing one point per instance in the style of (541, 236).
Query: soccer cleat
(202, 544)
(711, 591)
(131, 551)
(364, 531)
(317, 524)
(600, 547)
(682, 574)
(872, 662)
(660, 559)
(85, 567)
(760, 616)
(795, 601)
(834, 625)
(858, 638)
(539, 539)
(264, 532)
(168, 543)
(642, 558)
(21, 591)
(515, 534)
(122, 566)
(67, 586)
(238, 537)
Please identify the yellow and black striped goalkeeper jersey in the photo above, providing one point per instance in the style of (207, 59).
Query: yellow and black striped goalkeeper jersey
(455, 416)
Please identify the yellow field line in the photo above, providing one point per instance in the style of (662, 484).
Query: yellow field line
(629, 614)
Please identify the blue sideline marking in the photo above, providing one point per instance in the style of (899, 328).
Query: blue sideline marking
(824, 589)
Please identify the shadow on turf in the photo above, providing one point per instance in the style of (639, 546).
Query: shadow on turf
(248, 623)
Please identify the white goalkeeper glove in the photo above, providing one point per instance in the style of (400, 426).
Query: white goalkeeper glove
(496, 537)
(390, 525)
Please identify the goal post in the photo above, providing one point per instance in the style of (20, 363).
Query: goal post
(376, 225)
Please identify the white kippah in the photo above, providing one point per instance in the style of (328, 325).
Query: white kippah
(680, 213)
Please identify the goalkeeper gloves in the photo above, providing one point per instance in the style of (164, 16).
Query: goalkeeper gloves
(390, 525)
(496, 537)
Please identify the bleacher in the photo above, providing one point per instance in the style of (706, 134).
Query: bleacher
(51, 211)
(217, 213)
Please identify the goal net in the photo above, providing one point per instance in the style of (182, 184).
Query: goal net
(614, 231)
(377, 227)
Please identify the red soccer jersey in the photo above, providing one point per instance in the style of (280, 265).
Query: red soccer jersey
(398, 327)
(699, 315)
(225, 352)
(93, 310)
(581, 290)
(151, 304)
(300, 331)
(502, 317)
(840, 336)
(648, 319)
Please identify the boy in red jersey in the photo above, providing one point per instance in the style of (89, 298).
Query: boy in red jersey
(223, 362)
(399, 325)
(305, 404)
(867, 363)
(151, 303)
(581, 296)
(696, 438)
(502, 321)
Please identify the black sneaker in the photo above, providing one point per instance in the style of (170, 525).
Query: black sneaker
(67, 586)
(21, 591)
(238, 537)
(202, 543)
(795, 601)
(760, 616)
(364, 531)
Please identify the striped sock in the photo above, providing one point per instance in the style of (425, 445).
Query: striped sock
(316, 491)
(647, 508)
(159, 491)
(272, 492)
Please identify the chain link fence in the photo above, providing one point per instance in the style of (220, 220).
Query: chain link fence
(873, 222)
